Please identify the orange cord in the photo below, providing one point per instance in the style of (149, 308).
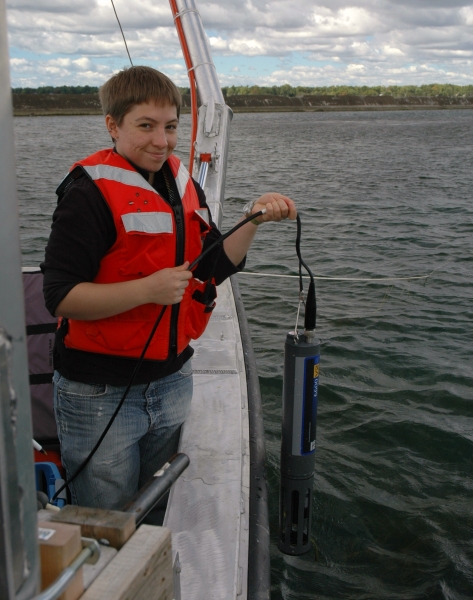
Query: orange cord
(192, 82)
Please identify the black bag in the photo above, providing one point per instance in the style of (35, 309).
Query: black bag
(40, 330)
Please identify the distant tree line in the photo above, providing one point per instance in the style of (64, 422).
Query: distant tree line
(66, 89)
(63, 89)
(397, 91)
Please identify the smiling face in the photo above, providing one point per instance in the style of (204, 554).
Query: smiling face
(147, 135)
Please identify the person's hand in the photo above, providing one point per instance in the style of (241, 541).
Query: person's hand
(278, 207)
(167, 286)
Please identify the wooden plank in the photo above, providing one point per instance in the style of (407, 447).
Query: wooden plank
(112, 525)
(142, 569)
(59, 545)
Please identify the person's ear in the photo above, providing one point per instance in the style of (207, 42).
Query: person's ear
(112, 128)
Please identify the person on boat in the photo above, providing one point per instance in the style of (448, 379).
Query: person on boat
(129, 221)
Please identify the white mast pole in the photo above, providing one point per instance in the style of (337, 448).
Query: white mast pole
(214, 115)
(19, 558)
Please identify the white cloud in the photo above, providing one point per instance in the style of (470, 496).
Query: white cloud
(247, 47)
(82, 63)
(218, 43)
(467, 14)
(382, 38)
(18, 63)
(356, 68)
(390, 51)
(347, 22)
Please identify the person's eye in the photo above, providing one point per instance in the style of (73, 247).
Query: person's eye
(145, 126)
(171, 127)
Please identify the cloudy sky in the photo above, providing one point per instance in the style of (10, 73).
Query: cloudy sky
(308, 42)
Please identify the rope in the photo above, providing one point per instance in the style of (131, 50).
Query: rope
(185, 11)
(201, 64)
(382, 279)
(123, 35)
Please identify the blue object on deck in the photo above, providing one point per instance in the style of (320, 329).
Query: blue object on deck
(48, 480)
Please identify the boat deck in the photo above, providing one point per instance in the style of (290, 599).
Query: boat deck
(208, 511)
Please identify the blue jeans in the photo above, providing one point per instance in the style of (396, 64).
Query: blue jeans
(144, 435)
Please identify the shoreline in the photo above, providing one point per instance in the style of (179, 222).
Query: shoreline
(61, 112)
(88, 104)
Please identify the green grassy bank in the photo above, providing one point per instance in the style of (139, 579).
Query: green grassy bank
(25, 104)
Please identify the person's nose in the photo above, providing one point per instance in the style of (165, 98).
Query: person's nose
(160, 138)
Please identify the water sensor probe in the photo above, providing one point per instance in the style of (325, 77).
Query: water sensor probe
(299, 420)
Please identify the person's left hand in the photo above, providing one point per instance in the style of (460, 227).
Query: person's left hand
(278, 207)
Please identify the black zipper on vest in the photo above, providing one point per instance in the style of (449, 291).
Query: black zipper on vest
(176, 204)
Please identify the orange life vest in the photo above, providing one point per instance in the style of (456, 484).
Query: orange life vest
(148, 236)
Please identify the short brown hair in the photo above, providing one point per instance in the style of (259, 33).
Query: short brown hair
(136, 85)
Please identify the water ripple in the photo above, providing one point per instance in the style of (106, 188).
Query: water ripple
(380, 195)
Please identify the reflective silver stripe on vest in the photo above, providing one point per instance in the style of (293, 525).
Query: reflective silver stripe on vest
(203, 214)
(116, 174)
(182, 179)
(151, 222)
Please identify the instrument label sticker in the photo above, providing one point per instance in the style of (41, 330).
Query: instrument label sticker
(45, 534)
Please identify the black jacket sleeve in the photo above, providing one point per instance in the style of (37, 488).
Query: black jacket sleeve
(82, 232)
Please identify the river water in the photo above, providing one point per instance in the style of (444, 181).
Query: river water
(382, 196)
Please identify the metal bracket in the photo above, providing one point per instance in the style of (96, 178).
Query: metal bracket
(301, 301)
(212, 119)
(94, 546)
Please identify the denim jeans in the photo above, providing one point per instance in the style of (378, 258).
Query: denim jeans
(144, 435)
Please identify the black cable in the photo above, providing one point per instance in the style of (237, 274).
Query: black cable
(224, 237)
(310, 318)
(117, 410)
